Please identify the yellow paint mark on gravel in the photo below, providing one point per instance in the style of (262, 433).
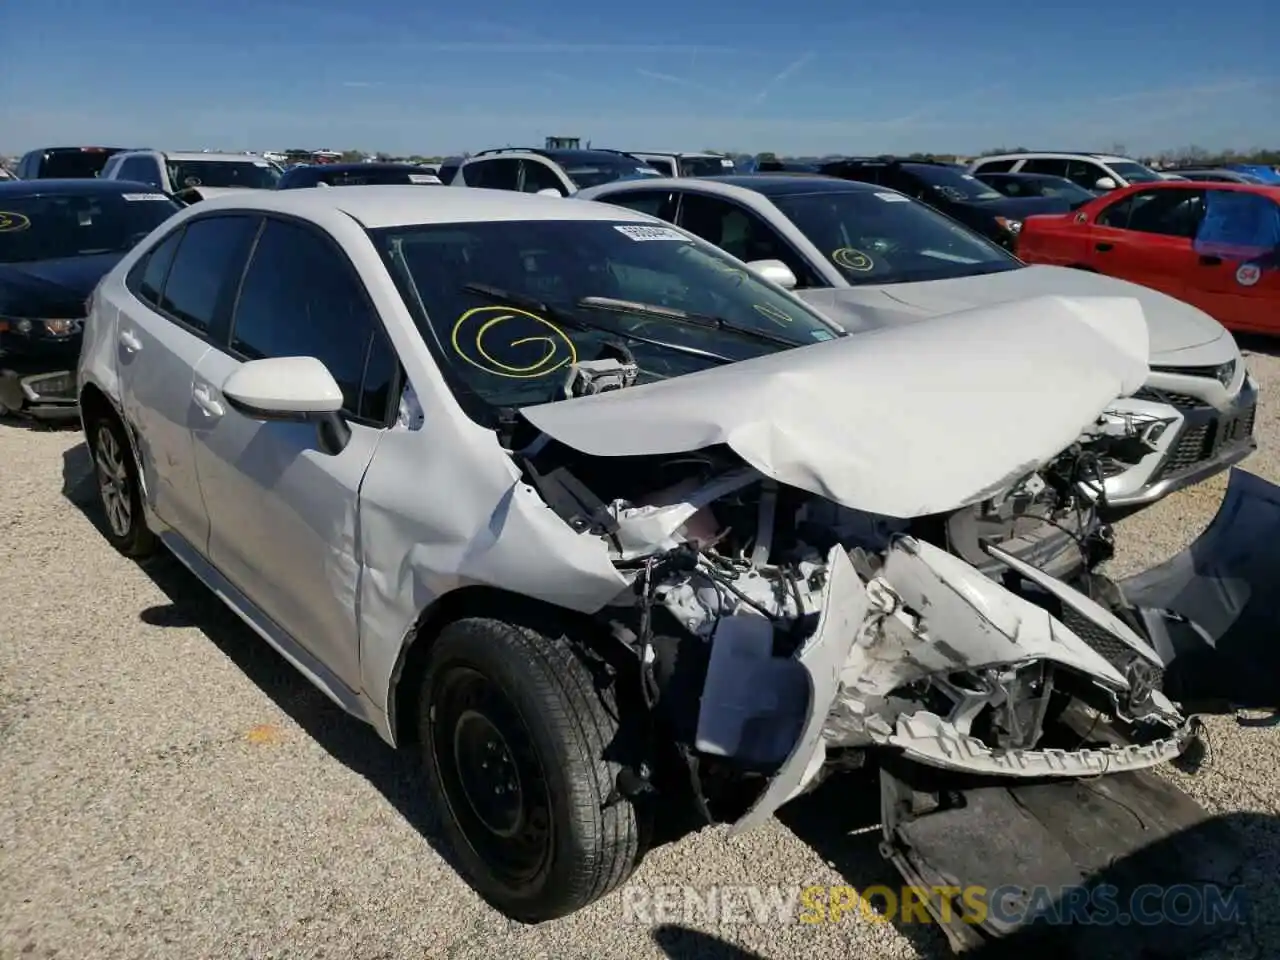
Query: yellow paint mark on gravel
(265, 733)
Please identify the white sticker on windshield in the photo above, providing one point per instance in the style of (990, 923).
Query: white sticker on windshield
(144, 196)
(637, 232)
(261, 163)
(726, 162)
(893, 197)
(967, 176)
(423, 178)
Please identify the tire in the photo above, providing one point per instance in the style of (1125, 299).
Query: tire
(551, 845)
(119, 488)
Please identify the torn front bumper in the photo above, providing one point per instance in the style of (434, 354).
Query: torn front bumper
(869, 643)
(1208, 441)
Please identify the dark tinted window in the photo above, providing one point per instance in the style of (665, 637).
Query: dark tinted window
(141, 169)
(155, 268)
(301, 298)
(493, 174)
(538, 176)
(211, 253)
(706, 166)
(57, 225)
(1085, 174)
(1173, 213)
(73, 164)
(1045, 165)
(996, 166)
(740, 233)
(656, 203)
(257, 174)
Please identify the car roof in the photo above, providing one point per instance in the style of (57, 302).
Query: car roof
(400, 205)
(359, 165)
(1104, 157)
(200, 155)
(782, 184)
(682, 154)
(1022, 175)
(79, 185)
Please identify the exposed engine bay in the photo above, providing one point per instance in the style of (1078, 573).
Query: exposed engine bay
(780, 634)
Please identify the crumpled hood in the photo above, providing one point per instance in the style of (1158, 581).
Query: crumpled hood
(905, 421)
(1174, 326)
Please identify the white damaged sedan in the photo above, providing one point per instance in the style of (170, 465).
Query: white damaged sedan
(604, 524)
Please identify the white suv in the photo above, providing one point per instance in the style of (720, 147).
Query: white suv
(193, 176)
(549, 172)
(1097, 172)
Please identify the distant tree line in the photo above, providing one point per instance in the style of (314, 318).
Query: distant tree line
(1181, 155)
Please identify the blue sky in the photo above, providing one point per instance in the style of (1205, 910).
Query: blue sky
(799, 77)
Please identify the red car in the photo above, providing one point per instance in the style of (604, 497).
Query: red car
(1213, 245)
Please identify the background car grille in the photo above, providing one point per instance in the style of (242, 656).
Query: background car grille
(1104, 643)
(1183, 400)
(1202, 441)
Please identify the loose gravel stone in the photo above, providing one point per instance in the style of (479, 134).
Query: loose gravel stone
(170, 788)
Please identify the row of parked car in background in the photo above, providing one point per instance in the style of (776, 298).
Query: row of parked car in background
(751, 424)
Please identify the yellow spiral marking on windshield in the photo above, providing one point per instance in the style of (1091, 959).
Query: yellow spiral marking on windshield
(12, 222)
(558, 349)
(852, 259)
(773, 313)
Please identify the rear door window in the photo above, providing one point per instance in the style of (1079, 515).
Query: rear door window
(209, 258)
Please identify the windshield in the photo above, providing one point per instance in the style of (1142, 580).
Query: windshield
(953, 184)
(706, 166)
(258, 174)
(383, 177)
(876, 237)
(1135, 172)
(511, 355)
(74, 164)
(1058, 187)
(57, 225)
(596, 172)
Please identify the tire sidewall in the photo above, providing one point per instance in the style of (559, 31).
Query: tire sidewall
(138, 539)
(535, 900)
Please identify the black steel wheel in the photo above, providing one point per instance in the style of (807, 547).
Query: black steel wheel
(514, 733)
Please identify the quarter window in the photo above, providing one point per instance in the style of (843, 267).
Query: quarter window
(301, 298)
(1085, 174)
(141, 169)
(155, 268)
(211, 253)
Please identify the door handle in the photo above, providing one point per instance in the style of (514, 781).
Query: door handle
(1208, 260)
(129, 340)
(203, 397)
(1103, 247)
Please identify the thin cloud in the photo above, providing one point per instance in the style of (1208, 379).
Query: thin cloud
(679, 81)
(362, 83)
(462, 46)
(782, 76)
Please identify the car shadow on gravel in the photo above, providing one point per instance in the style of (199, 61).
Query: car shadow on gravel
(1256, 343)
(191, 604)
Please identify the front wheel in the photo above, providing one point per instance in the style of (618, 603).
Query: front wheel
(119, 488)
(514, 731)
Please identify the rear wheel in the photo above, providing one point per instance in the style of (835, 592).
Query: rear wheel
(119, 487)
(514, 731)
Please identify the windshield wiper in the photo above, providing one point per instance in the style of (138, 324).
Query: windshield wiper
(575, 322)
(689, 319)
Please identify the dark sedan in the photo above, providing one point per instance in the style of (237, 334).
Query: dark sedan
(942, 186)
(58, 238)
(355, 175)
(1020, 185)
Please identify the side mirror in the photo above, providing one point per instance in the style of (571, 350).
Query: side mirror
(1104, 183)
(283, 388)
(549, 192)
(775, 271)
(291, 389)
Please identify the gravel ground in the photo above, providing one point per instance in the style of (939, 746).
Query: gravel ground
(171, 789)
